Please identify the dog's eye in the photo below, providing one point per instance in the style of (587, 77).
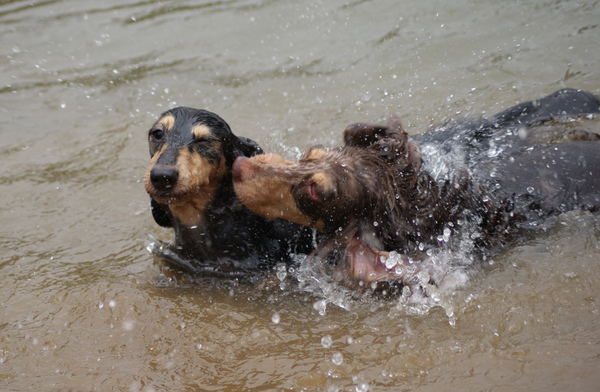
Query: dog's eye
(157, 134)
(203, 142)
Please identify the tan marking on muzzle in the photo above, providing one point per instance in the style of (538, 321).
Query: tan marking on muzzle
(196, 186)
(266, 190)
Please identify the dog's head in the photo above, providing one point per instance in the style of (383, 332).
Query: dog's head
(192, 152)
(328, 187)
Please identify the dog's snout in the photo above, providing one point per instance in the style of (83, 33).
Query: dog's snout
(164, 177)
(239, 165)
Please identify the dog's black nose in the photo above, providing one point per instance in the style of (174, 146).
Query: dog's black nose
(164, 177)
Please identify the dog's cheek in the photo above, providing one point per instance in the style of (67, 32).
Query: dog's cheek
(211, 152)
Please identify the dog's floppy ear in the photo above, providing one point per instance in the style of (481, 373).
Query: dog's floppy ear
(234, 146)
(395, 130)
(403, 155)
(363, 134)
(246, 147)
(160, 214)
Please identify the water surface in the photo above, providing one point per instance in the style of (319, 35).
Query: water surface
(84, 306)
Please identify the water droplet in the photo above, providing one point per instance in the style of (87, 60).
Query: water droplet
(522, 133)
(281, 272)
(530, 189)
(199, 346)
(320, 306)
(128, 325)
(362, 387)
(392, 260)
(375, 223)
(398, 270)
(276, 318)
(337, 358)
(112, 304)
(423, 277)
(326, 341)
(447, 233)
(150, 246)
(452, 321)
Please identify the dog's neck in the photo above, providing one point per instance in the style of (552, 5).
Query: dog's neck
(207, 230)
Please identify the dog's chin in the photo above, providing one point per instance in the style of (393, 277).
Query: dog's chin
(169, 198)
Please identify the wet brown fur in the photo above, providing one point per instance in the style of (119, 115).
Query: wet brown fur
(380, 185)
(369, 197)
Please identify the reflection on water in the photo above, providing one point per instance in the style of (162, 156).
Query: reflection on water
(84, 306)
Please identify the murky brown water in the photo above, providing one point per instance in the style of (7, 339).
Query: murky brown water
(84, 306)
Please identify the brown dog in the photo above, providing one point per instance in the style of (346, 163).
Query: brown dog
(371, 197)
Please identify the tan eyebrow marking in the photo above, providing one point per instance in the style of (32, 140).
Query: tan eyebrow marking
(322, 179)
(167, 121)
(315, 153)
(200, 130)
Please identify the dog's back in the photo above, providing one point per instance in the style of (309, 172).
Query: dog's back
(548, 180)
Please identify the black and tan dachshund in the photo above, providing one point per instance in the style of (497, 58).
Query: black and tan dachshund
(190, 185)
